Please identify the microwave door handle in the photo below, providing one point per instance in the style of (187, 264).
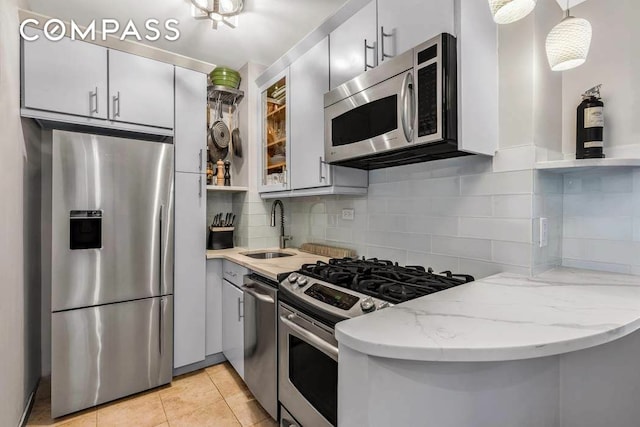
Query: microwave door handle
(408, 106)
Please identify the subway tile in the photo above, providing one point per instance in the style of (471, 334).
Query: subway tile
(461, 206)
(441, 226)
(602, 251)
(439, 263)
(376, 205)
(600, 266)
(520, 182)
(407, 241)
(511, 253)
(379, 222)
(513, 206)
(600, 204)
(390, 190)
(461, 247)
(339, 234)
(435, 187)
(482, 269)
(396, 255)
(377, 176)
(511, 230)
(598, 228)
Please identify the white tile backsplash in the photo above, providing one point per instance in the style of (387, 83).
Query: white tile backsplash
(453, 214)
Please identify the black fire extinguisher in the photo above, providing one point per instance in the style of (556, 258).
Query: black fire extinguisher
(589, 135)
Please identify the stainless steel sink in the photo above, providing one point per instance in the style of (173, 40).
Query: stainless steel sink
(267, 254)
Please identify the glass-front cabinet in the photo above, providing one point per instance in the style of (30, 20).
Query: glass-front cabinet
(275, 124)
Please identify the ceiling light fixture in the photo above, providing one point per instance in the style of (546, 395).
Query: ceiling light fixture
(568, 43)
(218, 11)
(508, 11)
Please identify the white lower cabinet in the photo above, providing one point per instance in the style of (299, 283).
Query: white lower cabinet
(213, 314)
(233, 326)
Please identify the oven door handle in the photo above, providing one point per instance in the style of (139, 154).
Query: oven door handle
(316, 341)
(408, 103)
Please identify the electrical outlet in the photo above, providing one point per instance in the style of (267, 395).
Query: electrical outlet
(348, 214)
(544, 232)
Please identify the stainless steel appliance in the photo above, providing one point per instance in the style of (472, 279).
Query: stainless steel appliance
(111, 268)
(403, 111)
(260, 341)
(311, 302)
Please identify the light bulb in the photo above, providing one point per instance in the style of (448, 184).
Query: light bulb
(568, 43)
(508, 11)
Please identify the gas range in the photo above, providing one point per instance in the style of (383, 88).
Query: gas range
(346, 288)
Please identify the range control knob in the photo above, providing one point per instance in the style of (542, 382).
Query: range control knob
(384, 304)
(368, 305)
(293, 277)
(302, 281)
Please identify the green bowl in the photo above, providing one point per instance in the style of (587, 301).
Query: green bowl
(224, 72)
(225, 82)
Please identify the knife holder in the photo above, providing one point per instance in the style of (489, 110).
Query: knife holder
(220, 238)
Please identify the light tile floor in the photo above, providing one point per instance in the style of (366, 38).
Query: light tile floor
(214, 397)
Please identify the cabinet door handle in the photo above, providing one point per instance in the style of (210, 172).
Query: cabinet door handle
(382, 36)
(116, 105)
(375, 55)
(92, 96)
(200, 186)
(200, 160)
(321, 166)
(240, 315)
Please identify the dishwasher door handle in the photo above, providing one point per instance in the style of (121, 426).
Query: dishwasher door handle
(260, 297)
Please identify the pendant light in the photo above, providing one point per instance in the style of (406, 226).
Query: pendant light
(508, 11)
(568, 43)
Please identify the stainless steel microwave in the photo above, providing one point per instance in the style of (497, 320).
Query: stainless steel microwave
(404, 111)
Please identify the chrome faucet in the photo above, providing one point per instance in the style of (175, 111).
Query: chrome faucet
(283, 238)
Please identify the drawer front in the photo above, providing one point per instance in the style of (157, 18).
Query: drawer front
(234, 272)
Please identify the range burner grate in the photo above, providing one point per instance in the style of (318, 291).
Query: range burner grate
(384, 279)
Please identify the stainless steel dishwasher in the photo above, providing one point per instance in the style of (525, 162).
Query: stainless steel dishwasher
(261, 341)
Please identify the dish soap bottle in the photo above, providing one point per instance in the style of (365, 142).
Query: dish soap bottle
(590, 131)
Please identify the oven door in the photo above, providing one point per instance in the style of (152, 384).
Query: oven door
(377, 119)
(308, 369)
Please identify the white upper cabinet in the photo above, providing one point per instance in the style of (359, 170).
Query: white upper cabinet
(349, 52)
(309, 81)
(191, 121)
(405, 24)
(66, 76)
(141, 90)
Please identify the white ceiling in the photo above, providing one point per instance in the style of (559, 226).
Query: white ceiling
(267, 28)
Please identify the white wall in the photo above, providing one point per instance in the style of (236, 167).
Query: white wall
(614, 61)
(19, 332)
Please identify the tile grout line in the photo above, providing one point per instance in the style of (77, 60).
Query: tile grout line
(223, 397)
(166, 417)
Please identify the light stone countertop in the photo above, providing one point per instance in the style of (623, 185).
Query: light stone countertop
(502, 317)
(269, 268)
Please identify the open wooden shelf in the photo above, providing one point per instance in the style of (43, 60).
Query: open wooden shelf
(576, 165)
(277, 110)
(276, 165)
(228, 189)
(277, 141)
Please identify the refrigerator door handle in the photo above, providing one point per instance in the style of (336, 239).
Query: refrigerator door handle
(161, 329)
(161, 262)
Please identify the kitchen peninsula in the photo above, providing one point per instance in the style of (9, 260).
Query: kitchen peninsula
(501, 351)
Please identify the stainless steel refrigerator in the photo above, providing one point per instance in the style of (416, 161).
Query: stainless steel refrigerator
(111, 268)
